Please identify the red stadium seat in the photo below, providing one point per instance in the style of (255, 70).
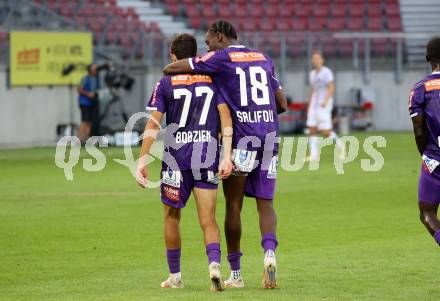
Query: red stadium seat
(338, 10)
(196, 22)
(283, 24)
(266, 25)
(336, 24)
(317, 24)
(374, 10)
(356, 10)
(321, 10)
(286, 10)
(257, 11)
(355, 24)
(272, 10)
(394, 24)
(208, 11)
(173, 9)
(225, 11)
(375, 24)
(304, 10)
(249, 25)
(299, 24)
(392, 10)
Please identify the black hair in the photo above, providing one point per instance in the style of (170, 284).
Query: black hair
(184, 46)
(433, 51)
(224, 27)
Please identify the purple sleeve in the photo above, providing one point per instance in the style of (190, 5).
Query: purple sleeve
(416, 102)
(209, 63)
(158, 98)
(275, 83)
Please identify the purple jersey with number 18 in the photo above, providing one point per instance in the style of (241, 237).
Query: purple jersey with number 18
(246, 80)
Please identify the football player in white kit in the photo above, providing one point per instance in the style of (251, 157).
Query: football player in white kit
(320, 106)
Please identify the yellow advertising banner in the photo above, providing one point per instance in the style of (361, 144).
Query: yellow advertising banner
(39, 58)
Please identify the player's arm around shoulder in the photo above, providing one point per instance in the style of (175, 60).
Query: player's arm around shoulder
(225, 166)
(179, 67)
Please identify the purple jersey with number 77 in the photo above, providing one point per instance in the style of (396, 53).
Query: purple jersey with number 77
(245, 77)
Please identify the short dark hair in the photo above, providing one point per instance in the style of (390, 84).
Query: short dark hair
(433, 51)
(224, 27)
(184, 46)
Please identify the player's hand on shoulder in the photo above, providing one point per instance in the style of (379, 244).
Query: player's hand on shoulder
(142, 175)
(225, 168)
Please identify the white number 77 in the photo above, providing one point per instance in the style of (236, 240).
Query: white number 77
(178, 93)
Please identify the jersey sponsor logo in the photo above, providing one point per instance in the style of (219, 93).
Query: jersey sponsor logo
(243, 159)
(154, 98)
(432, 85)
(205, 57)
(430, 164)
(273, 168)
(187, 79)
(171, 193)
(212, 177)
(238, 57)
(171, 178)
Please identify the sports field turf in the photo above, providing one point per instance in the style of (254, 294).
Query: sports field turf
(349, 237)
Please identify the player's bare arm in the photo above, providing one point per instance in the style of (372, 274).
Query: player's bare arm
(419, 126)
(225, 167)
(179, 67)
(330, 92)
(150, 133)
(281, 101)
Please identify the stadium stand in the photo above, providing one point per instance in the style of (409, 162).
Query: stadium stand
(110, 23)
(419, 17)
(323, 17)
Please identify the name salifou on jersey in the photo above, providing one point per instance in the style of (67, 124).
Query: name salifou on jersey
(431, 164)
(255, 116)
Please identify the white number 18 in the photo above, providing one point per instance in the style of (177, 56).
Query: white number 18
(255, 85)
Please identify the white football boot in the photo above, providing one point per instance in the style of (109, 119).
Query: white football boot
(173, 281)
(234, 282)
(270, 270)
(216, 277)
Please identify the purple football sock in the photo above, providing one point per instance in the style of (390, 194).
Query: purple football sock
(269, 242)
(213, 252)
(437, 237)
(234, 260)
(173, 258)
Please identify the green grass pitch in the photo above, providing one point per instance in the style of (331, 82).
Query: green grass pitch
(341, 237)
